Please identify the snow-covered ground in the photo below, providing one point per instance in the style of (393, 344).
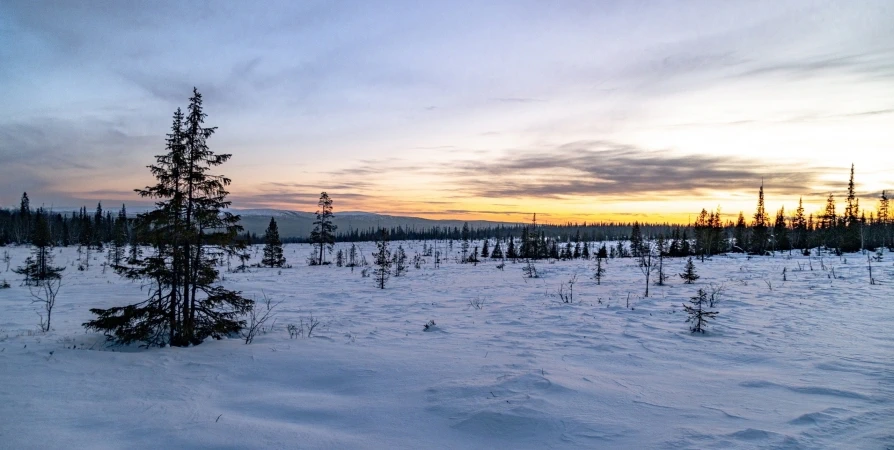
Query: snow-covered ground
(803, 363)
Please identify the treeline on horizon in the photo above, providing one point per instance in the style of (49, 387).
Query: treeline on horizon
(707, 235)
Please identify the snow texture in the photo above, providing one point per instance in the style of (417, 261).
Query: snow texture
(802, 364)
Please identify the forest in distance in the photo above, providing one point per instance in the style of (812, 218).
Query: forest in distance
(852, 230)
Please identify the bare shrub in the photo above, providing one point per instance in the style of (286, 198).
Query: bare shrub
(258, 317)
(45, 295)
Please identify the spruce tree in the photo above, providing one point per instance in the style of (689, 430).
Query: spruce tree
(485, 248)
(39, 267)
(799, 227)
(96, 239)
(190, 232)
(760, 227)
(25, 205)
(599, 271)
(883, 217)
(382, 259)
(851, 239)
(780, 232)
(498, 251)
(399, 261)
(636, 240)
(511, 253)
(829, 224)
(352, 257)
(698, 315)
(741, 235)
(323, 234)
(273, 255)
(119, 238)
(465, 236)
(689, 274)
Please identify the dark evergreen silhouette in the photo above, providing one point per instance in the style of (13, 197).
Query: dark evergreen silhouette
(38, 267)
(636, 240)
(119, 241)
(382, 259)
(799, 229)
(689, 275)
(352, 257)
(497, 253)
(464, 245)
(698, 315)
(190, 233)
(399, 261)
(828, 225)
(781, 240)
(323, 234)
(883, 219)
(760, 227)
(741, 234)
(511, 252)
(852, 225)
(599, 270)
(273, 254)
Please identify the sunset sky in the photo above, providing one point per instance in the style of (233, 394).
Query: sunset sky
(576, 110)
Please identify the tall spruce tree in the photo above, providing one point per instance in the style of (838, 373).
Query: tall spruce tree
(323, 234)
(799, 227)
(829, 224)
(25, 205)
(884, 217)
(636, 240)
(760, 226)
(511, 252)
(273, 255)
(741, 234)
(96, 239)
(852, 225)
(119, 238)
(190, 232)
(780, 232)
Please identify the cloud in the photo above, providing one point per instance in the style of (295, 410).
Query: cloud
(876, 65)
(516, 100)
(601, 169)
(50, 157)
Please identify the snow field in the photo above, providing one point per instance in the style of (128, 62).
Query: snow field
(802, 363)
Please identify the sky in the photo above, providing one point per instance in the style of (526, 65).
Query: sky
(575, 110)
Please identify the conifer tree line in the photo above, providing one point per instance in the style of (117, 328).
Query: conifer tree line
(95, 228)
(757, 233)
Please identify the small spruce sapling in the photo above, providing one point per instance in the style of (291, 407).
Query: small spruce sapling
(689, 274)
(400, 261)
(382, 259)
(698, 315)
(599, 271)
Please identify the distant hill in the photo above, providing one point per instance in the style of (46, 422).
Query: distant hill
(298, 224)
